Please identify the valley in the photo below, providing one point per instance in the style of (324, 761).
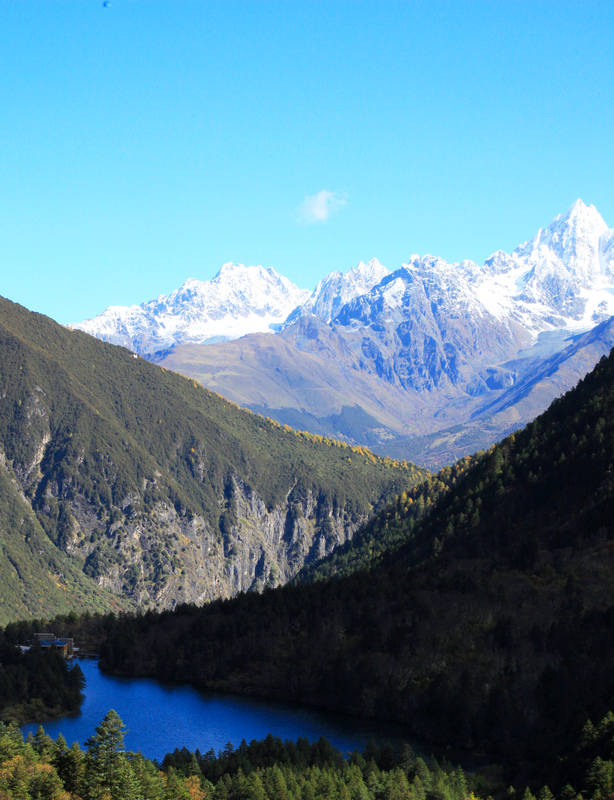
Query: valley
(306, 401)
(465, 610)
(473, 610)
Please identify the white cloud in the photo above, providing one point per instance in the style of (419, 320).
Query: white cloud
(319, 207)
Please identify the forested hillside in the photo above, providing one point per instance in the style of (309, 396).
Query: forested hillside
(151, 489)
(486, 624)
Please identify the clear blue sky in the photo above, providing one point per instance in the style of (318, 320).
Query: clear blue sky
(149, 142)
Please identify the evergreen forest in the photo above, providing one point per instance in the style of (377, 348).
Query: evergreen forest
(40, 767)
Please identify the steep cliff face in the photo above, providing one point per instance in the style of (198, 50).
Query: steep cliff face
(163, 557)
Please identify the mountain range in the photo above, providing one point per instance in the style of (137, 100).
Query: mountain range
(561, 278)
(428, 362)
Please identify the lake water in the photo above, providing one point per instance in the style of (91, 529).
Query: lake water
(160, 717)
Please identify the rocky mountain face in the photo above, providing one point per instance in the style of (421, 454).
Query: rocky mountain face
(422, 327)
(122, 480)
(237, 301)
(337, 289)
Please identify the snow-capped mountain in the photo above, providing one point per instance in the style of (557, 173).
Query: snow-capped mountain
(337, 289)
(237, 301)
(424, 324)
(431, 323)
(561, 278)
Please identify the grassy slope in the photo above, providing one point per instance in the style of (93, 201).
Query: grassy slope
(83, 422)
(269, 371)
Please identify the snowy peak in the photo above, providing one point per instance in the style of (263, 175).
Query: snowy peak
(561, 278)
(337, 289)
(573, 239)
(232, 276)
(240, 290)
(426, 282)
(445, 316)
(237, 301)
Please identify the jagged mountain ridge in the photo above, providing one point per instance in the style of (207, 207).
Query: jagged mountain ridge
(433, 323)
(563, 277)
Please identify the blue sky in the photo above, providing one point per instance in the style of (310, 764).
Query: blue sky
(149, 142)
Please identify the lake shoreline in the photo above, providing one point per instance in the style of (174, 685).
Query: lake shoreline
(440, 750)
(236, 716)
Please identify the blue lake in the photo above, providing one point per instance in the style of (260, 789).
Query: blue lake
(160, 717)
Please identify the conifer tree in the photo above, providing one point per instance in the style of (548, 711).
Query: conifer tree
(108, 771)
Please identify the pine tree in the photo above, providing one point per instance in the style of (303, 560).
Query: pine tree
(568, 793)
(255, 788)
(108, 771)
(43, 744)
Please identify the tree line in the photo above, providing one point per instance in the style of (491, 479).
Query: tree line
(43, 769)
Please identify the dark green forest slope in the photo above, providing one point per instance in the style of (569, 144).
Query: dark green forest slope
(120, 479)
(487, 624)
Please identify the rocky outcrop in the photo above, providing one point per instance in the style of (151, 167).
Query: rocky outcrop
(164, 557)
